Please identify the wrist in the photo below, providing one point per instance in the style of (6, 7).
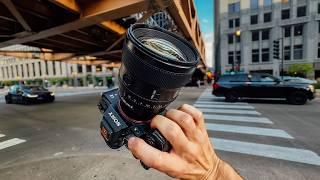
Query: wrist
(223, 171)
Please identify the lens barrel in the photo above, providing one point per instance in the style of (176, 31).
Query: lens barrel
(155, 65)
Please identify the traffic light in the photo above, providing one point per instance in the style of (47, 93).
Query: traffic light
(276, 49)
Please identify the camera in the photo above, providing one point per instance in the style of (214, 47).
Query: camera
(156, 64)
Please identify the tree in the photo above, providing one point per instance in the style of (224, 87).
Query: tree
(304, 68)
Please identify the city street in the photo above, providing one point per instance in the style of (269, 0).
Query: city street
(261, 139)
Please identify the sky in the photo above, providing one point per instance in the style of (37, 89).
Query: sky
(205, 14)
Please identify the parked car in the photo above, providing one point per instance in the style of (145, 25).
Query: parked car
(259, 85)
(28, 94)
(298, 80)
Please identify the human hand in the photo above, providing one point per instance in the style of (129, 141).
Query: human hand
(192, 155)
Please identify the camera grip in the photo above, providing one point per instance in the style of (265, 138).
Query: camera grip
(156, 140)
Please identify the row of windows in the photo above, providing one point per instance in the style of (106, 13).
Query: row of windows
(285, 14)
(265, 33)
(265, 54)
(267, 17)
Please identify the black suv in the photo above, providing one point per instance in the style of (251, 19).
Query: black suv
(258, 85)
(28, 94)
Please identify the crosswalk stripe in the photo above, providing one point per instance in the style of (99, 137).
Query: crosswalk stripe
(222, 106)
(238, 118)
(269, 151)
(217, 102)
(248, 130)
(228, 111)
(2, 135)
(11, 142)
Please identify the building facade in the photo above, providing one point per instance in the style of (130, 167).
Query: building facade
(245, 31)
(20, 69)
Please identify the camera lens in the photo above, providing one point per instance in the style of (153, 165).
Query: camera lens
(155, 65)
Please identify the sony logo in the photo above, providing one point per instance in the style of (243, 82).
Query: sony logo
(115, 120)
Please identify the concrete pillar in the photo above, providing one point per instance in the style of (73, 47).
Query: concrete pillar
(104, 79)
(75, 74)
(94, 75)
(31, 70)
(43, 69)
(37, 69)
(58, 69)
(1, 73)
(84, 75)
(63, 69)
(50, 68)
(25, 71)
(15, 71)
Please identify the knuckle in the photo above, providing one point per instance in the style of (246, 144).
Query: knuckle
(185, 106)
(187, 118)
(172, 131)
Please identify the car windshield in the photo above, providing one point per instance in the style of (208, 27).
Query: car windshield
(34, 88)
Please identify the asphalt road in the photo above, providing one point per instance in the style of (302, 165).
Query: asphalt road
(261, 139)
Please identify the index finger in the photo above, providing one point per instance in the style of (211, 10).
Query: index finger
(196, 114)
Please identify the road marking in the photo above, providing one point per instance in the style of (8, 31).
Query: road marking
(269, 151)
(248, 130)
(222, 106)
(217, 102)
(11, 142)
(2, 135)
(237, 118)
(228, 111)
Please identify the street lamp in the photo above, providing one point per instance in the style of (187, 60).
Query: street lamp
(237, 34)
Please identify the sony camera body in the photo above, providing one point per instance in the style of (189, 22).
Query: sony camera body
(116, 130)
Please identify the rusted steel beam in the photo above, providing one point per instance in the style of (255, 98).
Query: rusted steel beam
(16, 14)
(189, 30)
(96, 12)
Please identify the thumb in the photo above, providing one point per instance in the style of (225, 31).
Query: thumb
(149, 155)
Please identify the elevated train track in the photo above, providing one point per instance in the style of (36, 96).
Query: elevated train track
(87, 32)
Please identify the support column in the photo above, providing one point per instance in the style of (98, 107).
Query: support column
(75, 74)
(84, 78)
(104, 72)
(93, 68)
(37, 69)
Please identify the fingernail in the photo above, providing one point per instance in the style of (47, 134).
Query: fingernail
(130, 142)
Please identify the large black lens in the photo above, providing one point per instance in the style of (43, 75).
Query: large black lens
(156, 64)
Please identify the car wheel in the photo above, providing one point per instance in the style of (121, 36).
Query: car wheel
(231, 96)
(8, 99)
(298, 98)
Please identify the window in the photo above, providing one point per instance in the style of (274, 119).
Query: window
(301, 11)
(234, 7)
(254, 19)
(287, 53)
(298, 52)
(39, 67)
(318, 50)
(54, 68)
(238, 57)
(265, 55)
(267, 3)
(231, 23)
(298, 30)
(254, 4)
(265, 34)
(285, 14)
(230, 38)
(89, 68)
(234, 23)
(230, 60)
(238, 39)
(319, 8)
(287, 31)
(237, 22)
(267, 17)
(255, 55)
(255, 35)
(79, 67)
